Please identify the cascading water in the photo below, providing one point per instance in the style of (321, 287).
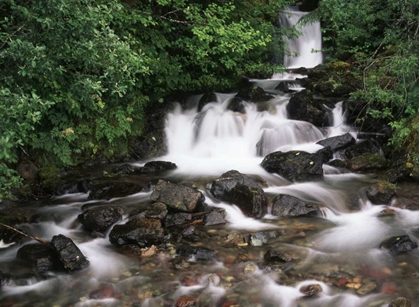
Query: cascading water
(305, 50)
(335, 255)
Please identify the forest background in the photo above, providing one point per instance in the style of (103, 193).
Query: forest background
(78, 75)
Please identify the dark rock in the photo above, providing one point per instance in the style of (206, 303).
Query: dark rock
(27, 169)
(214, 217)
(285, 86)
(68, 253)
(100, 218)
(254, 94)
(319, 72)
(156, 167)
(236, 104)
(123, 169)
(400, 302)
(140, 231)
(113, 189)
(41, 256)
(297, 165)
(287, 205)
(399, 245)
(303, 107)
(241, 190)
(177, 196)
(155, 210)
(206, 99)
(356, 114)
(83, 186)
(311, 290)
(195, 253)
(178, 219)
(368, 146)
(337, 163)
(381, 193)
(275, 256)
(367, 162)
(338, 142)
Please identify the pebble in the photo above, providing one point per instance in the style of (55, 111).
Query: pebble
(250, 268)
(367, 288)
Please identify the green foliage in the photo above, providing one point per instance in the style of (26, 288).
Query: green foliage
(77, 74)
(381, 38)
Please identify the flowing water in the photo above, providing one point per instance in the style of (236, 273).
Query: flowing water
(338, 252)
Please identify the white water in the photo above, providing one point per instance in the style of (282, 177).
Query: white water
(303, 51)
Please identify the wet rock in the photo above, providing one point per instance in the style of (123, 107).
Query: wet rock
(241, 190)
(195, 253)
(236, 104)
(297, 165)
(400, 302)
(140, 231)
(337, 163)
(286, 205)
(113, 189)
(178, 219)
(206, 99)
(68, 253)
(177, 196)
(155, 210)
(338, 142)
(102, 293)
(276, 256)
(311, 290)
(123, 169)
(186, 301)
(250, 268)
(254, 94)
(235, 238)
(286, 86)
(215, 217)
(381, 193)
(367, 288)
(399, 244)
(100, 218)
(156, 167)
(179, 263)
(41, 256)
(368, 146)
(367, 162)
(303, 107)
(27, 169)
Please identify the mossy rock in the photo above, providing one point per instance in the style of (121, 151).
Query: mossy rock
(367, 162)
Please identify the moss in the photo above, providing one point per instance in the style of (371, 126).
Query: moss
(50, 179)
(384, 186)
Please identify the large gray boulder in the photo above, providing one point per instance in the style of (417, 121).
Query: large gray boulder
(286, 205)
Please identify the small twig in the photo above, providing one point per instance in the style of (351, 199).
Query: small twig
(10, 36)
(24, 234)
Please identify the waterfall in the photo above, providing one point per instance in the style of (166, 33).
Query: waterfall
(303, 51)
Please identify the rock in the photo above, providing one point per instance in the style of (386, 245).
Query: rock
(215, 217)
(102, 293)
(276, 256)
(27, 169)
(141, 231)
(178, 219)
(250, 268)
(155, 210)
(367, 162)
(399, 244)
(177, 196)
(241, 190)
(338, 142)
(286, 205)
(100, 218)
(381, 193)
(236, 104)
(68, 253)
(367, 288)
(186, 301)
(400, 302)
(41, 256)
(303, 107)
(112, 189)
(206, 99)
(297, 165)
(123, 169)
(368, 146)
(195, 253)
(179, 263)
(311, 290)
(286, 86)
(156, 167)
(235, 238)
(254, 94)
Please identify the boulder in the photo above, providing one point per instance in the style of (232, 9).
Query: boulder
(242, 191)
(68, 253)
(381, 193)
(254, 94)
(367, 146)
(399, 244)
(195, 253)
(156, 167)
(100, 218)
(237, 104)
(298, 165)
(177, 196)
(303, 107)
(214, 217)
(367, 162)
(112, 189)
(141, 231)
(178, 219)
(206, 99)
(41, 256)
(286, 205)
(338, 142)
(155, 210)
